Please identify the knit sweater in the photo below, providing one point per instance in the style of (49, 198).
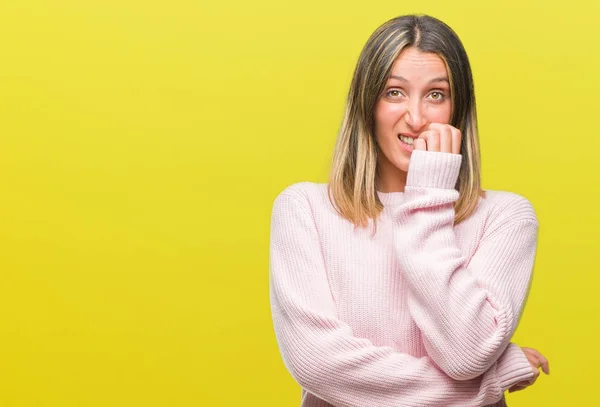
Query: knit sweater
(420, 313)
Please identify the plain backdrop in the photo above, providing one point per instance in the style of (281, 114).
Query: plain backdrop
(142, 144)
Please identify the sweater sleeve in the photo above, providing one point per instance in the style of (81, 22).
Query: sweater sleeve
(467, 311)
(324, 357)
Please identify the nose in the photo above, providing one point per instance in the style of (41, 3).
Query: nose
(414, 116)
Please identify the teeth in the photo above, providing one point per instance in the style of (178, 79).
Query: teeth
(407, 140)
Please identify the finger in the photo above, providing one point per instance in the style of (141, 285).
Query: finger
(534, 378)
(445, 139)
(532, 356)
(456, 140)
(432, 138)
(536, 371)
(424, 137)
(544, 364)
(522, 385)
(517, 388)
(528, 382)
(541, 361)
(445, 132)
(546, 367)
(420, 144)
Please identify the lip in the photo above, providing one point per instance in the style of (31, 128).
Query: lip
(406, 147)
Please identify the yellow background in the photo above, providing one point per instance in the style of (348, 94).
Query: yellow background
(142, 145)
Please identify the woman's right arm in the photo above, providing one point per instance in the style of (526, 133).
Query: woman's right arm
(325, 358)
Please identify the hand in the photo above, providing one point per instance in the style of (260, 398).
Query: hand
(439, 137)
(537, 360)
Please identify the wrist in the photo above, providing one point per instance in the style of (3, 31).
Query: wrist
(513, 367)
(432, 169)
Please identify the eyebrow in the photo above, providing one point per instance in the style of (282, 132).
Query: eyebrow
(434, 80)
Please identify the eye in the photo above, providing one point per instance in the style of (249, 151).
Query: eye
(394, 93)
(437, 96)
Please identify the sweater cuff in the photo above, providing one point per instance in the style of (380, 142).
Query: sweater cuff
(513, 367)
(432, 169)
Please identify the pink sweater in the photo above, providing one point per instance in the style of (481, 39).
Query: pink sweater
(419, 314)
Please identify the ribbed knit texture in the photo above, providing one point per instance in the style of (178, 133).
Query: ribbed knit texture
(420, 313)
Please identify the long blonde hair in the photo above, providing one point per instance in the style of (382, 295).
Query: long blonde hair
(352, 185)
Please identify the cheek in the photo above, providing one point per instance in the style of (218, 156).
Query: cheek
(387, 114)
(439, 114)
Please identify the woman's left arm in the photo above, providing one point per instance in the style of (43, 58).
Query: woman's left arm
(467, 311)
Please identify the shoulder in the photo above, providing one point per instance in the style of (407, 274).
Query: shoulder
(306, 196)
(503, 207)
(304, 191)
(298, 208)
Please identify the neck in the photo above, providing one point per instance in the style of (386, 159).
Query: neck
(390, 178)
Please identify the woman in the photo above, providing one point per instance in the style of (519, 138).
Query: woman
(401, 283)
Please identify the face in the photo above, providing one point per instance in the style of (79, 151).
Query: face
(416, 94)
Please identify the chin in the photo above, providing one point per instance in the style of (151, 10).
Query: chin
(402, 166)
(393, 161)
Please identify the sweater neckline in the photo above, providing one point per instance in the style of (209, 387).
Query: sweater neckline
(390, 198)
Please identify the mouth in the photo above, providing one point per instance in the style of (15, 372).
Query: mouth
(407, 142)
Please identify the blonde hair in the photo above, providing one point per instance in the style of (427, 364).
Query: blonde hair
(352, 185)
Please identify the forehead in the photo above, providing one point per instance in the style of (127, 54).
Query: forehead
(415, 65)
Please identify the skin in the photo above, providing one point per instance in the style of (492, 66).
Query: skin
(416, 102)
(537, 360)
